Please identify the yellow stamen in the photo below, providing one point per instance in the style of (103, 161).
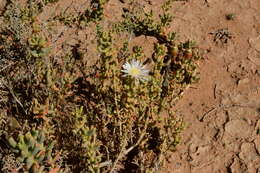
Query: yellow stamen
(134, 71)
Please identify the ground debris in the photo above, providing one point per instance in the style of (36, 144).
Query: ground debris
(221, 36)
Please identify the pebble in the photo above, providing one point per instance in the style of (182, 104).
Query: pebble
(243, 81)
(255, 43)
(248, 153)
(235, 167)
(238, 129)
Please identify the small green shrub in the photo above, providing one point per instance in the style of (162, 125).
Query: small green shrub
(95, 13)
(113, 114)
(33, 152)
(38, 46)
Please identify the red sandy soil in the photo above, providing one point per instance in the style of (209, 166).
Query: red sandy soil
(222, 111)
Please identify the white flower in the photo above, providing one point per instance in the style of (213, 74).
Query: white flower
(136, 70)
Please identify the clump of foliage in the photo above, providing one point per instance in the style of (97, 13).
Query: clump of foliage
(95, 13)
(230, 16)
(13, 35)
(112, 115)
(38, 46)
(33, 152)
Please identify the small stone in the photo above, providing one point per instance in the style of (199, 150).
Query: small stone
(255, 43)
(238, 98)
(193, 148)
(235, 167)
(248, 153)
(254, 56)
(238, 129)
(243, 81)
(230, 144)
(221, 118)
(202, 155)
(232, 67)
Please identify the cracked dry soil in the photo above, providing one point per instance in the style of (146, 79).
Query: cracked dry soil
(222, 111)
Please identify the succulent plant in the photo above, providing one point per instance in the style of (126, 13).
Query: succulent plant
(38, 46)
(32, 151)
(95, 13)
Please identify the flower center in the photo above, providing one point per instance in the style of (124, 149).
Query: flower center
(134, 71)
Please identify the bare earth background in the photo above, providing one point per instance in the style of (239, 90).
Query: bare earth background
(222, 111)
